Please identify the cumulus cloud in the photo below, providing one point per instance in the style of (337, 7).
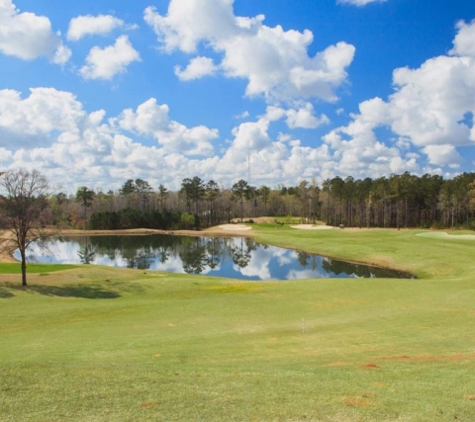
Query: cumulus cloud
(105, 63)
(464, 43)
(359, 2)
(197, 68)
(50, 131)
(357, 150)
(82, 26)
(443, 155)
(44, 111)
(305, 118)
(429, 115)
(428, 109)
(29, 36)
(152, 119)
(274, 61)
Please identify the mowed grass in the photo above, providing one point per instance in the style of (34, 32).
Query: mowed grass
(103, 344)
(14, 268)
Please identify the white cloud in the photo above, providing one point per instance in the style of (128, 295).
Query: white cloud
(153, 119)
(426, 116)
(464, 43)
(359, 153)
(275, 62)
(443, 155)
(431, 101)
(427, 109)
(44, 111)
(50, 131)
(197, 68)
(359, 2)
(243, 115)
(29, 36)
(62, 55)
(305, 118)
(107, 62)
(81, 26)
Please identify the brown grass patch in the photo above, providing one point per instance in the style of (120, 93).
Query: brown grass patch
(357, 402)
(456, 357)
(370, 365)
(397, 357)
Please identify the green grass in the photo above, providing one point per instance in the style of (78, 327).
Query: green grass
(103, 344)
(14, 268)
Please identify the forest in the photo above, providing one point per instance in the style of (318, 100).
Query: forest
(397, 201)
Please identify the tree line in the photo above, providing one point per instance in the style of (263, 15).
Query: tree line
(395, 201)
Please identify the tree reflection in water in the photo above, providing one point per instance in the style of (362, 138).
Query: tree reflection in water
(304, 257)
(214, 250)
(229, 257)
(242, 255)
(193, 255)
(87, 253)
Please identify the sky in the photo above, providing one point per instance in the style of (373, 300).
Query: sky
(97, 92)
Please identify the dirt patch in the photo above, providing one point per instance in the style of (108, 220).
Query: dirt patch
(370, 365)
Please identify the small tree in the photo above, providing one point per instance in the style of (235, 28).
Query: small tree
(85, 196)
(162, 194)
(21, 207)
(144, 190)
(240, 192)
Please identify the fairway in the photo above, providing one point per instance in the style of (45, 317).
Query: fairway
(102, 344)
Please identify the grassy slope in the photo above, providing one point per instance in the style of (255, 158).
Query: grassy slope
(102, 344)
(15, 268)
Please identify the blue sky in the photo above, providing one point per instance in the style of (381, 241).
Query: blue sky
(97, 92)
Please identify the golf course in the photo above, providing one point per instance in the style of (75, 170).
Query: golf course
(92, 343)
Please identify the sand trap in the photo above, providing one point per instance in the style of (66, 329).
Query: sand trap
(234, 227)
(446, 236)
(311, 227)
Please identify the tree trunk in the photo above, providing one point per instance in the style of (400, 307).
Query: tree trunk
(23, 267)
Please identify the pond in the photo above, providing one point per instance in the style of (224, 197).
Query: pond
(231, 257)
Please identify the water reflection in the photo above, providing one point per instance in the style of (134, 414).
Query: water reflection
(87, 253)
(241, 258)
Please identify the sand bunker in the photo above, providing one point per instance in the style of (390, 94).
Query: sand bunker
(311, 227)
(446, 236)
(234, 227)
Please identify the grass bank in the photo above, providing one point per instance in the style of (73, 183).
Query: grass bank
(103, 344)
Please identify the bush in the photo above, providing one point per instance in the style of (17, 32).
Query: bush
(187, 222)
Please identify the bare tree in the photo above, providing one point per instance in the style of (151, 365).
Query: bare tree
(21, 209)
